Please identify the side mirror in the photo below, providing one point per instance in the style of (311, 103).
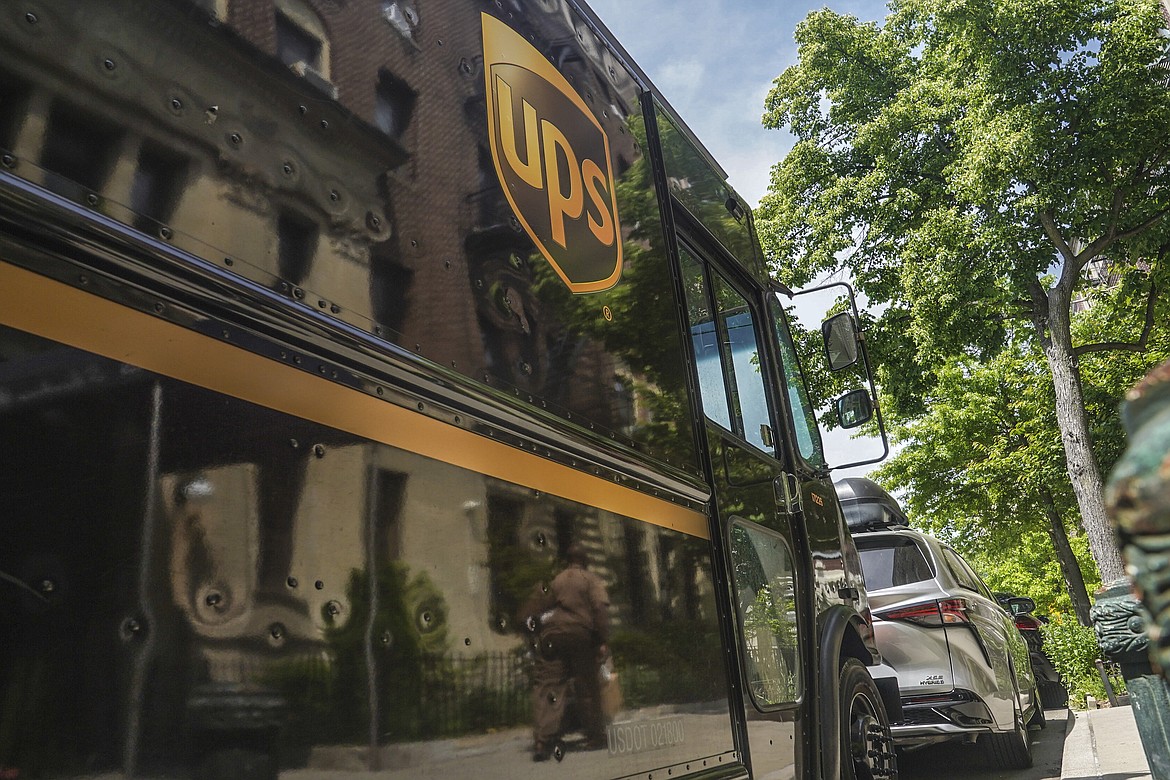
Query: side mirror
(853, 409)
(839, 333)
(1021, 605)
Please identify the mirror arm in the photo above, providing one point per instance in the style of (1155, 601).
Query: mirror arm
(780, 288)
(877, 407)
(848, 288)
(865, 359)
(877, 410)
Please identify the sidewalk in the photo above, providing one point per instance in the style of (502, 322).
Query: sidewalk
(1103, 745)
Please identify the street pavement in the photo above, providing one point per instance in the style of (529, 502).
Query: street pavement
(1090, 745)
(958, 761)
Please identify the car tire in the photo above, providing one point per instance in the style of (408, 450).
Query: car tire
(867, 749)
(1011, 750)
(1038, 719)
(1053, 695)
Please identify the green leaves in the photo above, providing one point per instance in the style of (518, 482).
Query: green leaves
(965, 162)
(944, 134)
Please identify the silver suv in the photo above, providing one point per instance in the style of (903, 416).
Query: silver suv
(962, 665)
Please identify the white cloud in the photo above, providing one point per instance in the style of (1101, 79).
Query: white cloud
(681, 79)
(715, 60)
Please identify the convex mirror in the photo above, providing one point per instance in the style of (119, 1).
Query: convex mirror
(854, 408)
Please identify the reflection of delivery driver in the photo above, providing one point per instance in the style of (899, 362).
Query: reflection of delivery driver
(573, 633)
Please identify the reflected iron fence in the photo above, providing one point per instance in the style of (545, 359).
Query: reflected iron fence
(471, 694)
(327, 696)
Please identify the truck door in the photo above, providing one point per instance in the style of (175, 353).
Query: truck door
(727, 333)
(836, 564)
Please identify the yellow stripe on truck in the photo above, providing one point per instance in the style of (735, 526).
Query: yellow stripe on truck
(56, 311)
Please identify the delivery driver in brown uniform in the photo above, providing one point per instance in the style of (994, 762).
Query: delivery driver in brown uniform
(572, 636)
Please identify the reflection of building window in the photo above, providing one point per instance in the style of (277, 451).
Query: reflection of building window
(13, 109)
(637, 570)
(158, 183)
(564, 520)
(296, 46)
(622, 404)
(390, 287)
(297, 237)
(79, 147)
(217, 8)
(302, 42)
(389, 490)
(393, 105)
(513, 570)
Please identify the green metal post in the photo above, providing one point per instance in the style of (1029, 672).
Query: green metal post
(1138, 497)
(1120, 623)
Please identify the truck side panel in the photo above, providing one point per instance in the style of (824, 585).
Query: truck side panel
(370, 163)
(218, 575)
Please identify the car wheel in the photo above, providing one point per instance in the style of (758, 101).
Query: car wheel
(1011, 750)
(867, 749)
(1053, 695)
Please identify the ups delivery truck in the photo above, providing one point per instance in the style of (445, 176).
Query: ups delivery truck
(396, 389)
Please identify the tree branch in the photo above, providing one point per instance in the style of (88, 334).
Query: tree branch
(1056, 238)
(1124, 346)
(1099, 246)
(1149, 223)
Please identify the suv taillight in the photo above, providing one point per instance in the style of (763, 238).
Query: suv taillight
(933, 613)
(1027, 623)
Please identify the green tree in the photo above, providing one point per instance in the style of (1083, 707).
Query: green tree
(967, 161)
(983, 469)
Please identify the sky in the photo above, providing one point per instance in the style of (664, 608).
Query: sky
(714, 61)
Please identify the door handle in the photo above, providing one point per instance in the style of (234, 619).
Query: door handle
(788, 492)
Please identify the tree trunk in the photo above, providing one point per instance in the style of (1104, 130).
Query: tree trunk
(1070, 567)
(1083, 470)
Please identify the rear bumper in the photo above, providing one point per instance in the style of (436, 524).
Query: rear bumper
(942, 716)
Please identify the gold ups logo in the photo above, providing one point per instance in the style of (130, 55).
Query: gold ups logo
(552, 158)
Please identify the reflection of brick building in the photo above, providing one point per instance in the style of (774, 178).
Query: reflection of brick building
(274, 521)
(323, 148)
(406, 87)
(261, 541)
(453, 248)
(331, 165)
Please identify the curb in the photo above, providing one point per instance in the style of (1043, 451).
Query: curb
(1080, 751)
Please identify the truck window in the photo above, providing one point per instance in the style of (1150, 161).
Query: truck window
(804, 421)
(706, 343)
(730, 379)
(744, 366)
(765, 585)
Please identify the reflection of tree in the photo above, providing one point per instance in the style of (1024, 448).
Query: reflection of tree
(644, 332)
(409, 627)
(515, 568)
(768, 611)
(772, 612)
(770, 631)
(668, 663)
(706, 195)
(668, 651)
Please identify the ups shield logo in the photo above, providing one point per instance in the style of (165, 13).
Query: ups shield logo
(552, 158)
